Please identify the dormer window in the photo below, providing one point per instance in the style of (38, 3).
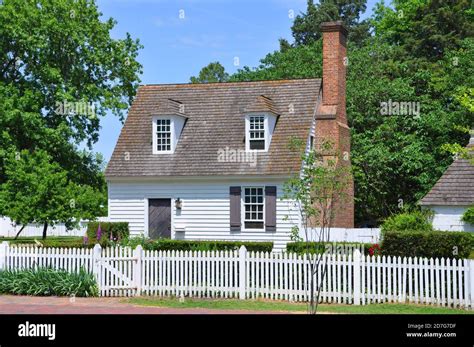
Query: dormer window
(166, 133)
(257, 133)
(163, 135)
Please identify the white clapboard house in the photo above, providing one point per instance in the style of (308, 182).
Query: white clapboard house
(452, 195)
(209, 161)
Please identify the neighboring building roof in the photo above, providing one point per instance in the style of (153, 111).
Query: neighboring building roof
(455, 187)
(215, 120)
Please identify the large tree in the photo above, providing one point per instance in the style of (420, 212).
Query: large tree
(306, 30)
(213, 72)
(426, 30)
(38, 190)
(60, 73)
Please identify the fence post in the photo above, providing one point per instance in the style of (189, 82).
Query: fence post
(3, 255)
(96, 253)
(356, 261)
(471, 282)
(242, 272)
(137, 271)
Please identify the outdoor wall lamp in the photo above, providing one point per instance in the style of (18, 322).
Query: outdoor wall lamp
(178, 204)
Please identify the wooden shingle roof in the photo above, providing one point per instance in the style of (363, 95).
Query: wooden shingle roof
(262, 104)
(455, 187)
(215, 121)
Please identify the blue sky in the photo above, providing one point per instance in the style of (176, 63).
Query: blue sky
(180, 37)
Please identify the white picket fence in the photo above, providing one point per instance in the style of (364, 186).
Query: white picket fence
(350, 279)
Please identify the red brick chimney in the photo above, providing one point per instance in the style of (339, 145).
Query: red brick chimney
(331, 120)
(334, 67)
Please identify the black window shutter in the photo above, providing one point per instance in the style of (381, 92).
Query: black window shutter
(270, 208)
(235, 224)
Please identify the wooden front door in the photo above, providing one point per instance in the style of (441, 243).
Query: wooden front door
(159, 218)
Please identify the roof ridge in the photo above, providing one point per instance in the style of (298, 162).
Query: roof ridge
(228, 82)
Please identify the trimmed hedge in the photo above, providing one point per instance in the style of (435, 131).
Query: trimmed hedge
(109, 231)
(188, 245)
(320, 247)
(432, 244)
(48, 282)
(64, 242)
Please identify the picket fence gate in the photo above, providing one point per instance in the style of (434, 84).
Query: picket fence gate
(351, 279)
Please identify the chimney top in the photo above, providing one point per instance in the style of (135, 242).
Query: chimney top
(334, 26)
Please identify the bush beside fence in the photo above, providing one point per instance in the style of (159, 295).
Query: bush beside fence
(191, 245)
(435, 244)
(109, 231)
(326, 247)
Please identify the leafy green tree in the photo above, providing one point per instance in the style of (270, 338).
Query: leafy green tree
(306, 29)
(303, 61)
(55, 54)
(37, 190)
(213, 72)
(425, 29)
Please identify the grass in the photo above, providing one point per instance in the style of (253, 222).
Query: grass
(265, 305)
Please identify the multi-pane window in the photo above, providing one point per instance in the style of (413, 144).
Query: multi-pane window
(163, 135)
(257, 132)
(253, 208)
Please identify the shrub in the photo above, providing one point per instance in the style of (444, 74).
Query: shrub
(320, 247)
(433, 244)
(63, 242)
(47, 281)
(109, 231)
(135, 241)
(468, 216)
(409, 221)
(188, 245)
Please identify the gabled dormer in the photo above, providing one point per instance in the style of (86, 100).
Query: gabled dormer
(167, 124)
(260, 120)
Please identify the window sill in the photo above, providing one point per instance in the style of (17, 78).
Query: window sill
(254, 230)
(164, 152)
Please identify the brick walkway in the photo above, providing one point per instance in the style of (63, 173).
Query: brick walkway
(60, 305)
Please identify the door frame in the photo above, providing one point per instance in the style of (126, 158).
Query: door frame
(147, 207)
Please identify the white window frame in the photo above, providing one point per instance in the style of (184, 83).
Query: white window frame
(155, 135)
(176, 127)
(243, 204)
(258, 120)
(266, 128)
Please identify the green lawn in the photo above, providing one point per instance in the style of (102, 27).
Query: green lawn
(264, 305)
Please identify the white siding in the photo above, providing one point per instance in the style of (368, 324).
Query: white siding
(364, 235)
(449, 218)
(204, 213)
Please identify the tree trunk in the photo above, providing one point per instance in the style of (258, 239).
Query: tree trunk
(44, 230)
(19, 232)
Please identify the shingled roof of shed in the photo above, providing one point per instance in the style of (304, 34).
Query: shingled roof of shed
(455, 187)
(215, 120)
